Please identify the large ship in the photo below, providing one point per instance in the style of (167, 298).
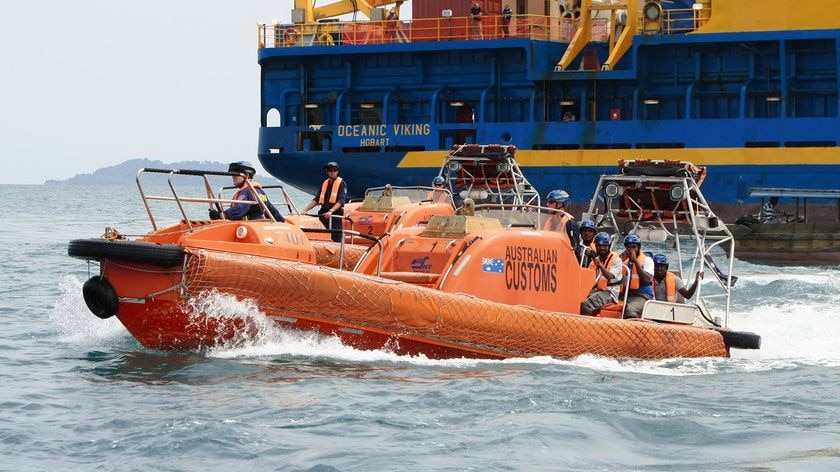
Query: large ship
(748, 88)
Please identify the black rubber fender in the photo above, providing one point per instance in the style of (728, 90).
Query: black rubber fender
(740, 339)
(100, 297)
(164, 255)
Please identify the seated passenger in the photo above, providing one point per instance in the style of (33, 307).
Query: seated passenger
(641, 273)
(244, 210)
(770, 213)
(560, 220)
(608, 280)
(666, 285)
(587, 234)
(439, 194)
(468, 209)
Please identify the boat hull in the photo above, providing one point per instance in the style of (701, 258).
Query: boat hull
(811, 244)
(374, 313)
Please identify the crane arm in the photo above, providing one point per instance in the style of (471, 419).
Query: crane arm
(342, 7)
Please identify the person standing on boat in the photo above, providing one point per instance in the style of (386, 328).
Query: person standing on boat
(608, 280)
(507, 14)
(475, 21)
(586, 250)
(641, 275)
(331, 197)
(668, 285)
(560, 220)
(242, 210)
(438, 195)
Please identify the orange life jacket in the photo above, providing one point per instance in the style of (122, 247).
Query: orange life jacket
(634, 272)
(331, 186)
(436, 196)
(670, 287)
(601, 282)
(560, 227)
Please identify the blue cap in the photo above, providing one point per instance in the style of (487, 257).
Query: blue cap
(587, 224)
(632, 239)
(602, 238)
(660, 259)
(557, 196)
(438, 180)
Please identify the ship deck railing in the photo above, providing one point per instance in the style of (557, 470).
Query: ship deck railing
(534, 27)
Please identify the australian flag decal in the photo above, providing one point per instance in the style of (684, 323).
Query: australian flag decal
(492, 265)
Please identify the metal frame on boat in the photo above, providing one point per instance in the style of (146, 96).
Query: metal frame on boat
(661, 202)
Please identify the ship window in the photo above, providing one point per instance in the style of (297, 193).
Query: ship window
(556, 147)
(366, 113)
(660, 145)
(361, 149)
(272, 118)
(314, 141)
(608, 146)
(810, 143)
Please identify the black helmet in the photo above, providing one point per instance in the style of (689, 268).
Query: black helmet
(242, 167)
(331, 165)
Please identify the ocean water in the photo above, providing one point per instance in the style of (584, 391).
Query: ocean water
(78, 393)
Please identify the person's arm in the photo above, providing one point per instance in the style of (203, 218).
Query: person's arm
(237, 211)
(310, 205)
(689, 292)
(603, 270)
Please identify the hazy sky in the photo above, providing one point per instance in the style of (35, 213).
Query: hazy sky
(91, 83)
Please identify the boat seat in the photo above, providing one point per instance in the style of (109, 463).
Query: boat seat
(610, 310)
(427, 278)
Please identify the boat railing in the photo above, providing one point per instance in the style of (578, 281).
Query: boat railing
(420, 30)
(291, 208)
(414, 193)
(356, 33)
(673, 21)
(213, 201)
(353, 234)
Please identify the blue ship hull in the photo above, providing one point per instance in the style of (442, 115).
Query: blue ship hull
(758, 109)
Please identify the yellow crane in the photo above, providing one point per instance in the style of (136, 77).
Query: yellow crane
(316, 24)
(312, 13)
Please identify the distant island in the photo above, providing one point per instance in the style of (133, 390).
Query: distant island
(126, 172)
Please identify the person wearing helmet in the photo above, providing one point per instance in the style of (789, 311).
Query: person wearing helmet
(668, 286)
(439, 194)
(331, 197)
(246, 211)
(586, 250)
(608, 279)
(560, 220)
(641, 275)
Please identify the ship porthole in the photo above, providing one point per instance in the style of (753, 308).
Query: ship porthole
(506, 138)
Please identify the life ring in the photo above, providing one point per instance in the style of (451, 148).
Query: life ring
(164, 255)
(100, 297)
(290, 36)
